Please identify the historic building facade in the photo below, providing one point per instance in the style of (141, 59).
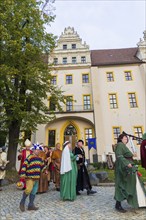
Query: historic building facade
(105, 92)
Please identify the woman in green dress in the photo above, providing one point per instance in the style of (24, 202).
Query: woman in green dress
(68, 173)
(127, 183)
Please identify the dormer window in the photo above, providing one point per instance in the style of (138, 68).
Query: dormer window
(73, 46)
(64, 46)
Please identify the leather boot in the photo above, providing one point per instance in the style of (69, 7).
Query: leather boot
(22, 202)
(119, 208)
(31, 205)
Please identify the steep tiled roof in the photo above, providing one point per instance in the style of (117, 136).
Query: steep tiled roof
(114, 57)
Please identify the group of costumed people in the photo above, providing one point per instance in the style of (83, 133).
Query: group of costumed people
(71, 176)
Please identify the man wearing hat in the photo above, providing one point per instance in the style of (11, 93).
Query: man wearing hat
(31, 170)
(143, 151)
(22, 156)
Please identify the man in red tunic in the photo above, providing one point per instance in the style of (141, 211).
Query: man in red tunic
(143, 151)
(22, 156)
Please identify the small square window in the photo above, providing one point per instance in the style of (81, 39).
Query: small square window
(128, 75)
(110, 77)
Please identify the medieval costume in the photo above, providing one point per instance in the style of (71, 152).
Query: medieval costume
(3, 163)
(56, 159)
(127, 183)
(68, 173)
(43, 181)
(22, 156)
(143, 151)
(31, 171)
(83, 181)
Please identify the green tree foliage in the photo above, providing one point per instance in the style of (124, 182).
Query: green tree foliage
(24, 76)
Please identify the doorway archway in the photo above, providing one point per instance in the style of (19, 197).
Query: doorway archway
(70, 134)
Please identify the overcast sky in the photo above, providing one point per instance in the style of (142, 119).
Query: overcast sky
(102, 24)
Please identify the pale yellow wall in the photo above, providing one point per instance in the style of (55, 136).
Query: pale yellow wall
(124, 116)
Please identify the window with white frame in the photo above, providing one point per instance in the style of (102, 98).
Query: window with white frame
(138, 133)
(64, 46)
(128, 75)
(132, 100)
(68, 79)
(83, 59)
(69, 103)
(54, 80)
(55, 60)
(87, 102)
(85, 78)
(88, 134)
(64, 60)
(116, 133)
(74, 60)
(110, 77)
(113, 100)
(73, 46)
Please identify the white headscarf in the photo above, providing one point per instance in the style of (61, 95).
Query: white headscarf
(65, 160)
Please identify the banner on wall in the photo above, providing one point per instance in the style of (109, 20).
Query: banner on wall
(92, 143)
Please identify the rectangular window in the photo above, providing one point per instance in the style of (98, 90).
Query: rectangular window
(85, 78)
(116, 133)
(69, 104)
(64, 46)
(54, 80)
(74, 60)
(64, 60)
(132, 100)
(51, 138)
(87, 102)
(55, 60)
(68, 79)
(128, 75)
(83, 59)
(73, 46)
(52, 104)
(113, 101)
(138, 133)
(110, 77)
(88, 134)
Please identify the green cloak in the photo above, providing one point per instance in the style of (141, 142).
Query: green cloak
(68, 181)
(125, 178)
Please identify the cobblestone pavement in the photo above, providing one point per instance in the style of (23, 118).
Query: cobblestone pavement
(98, 206)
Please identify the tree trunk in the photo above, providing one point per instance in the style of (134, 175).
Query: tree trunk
(14, 131)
